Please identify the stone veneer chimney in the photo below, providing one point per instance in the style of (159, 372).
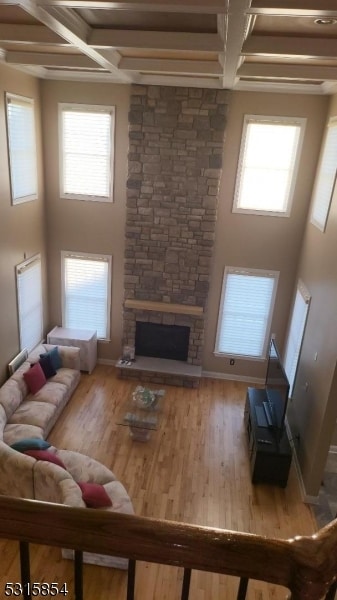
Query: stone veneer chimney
(176, 137)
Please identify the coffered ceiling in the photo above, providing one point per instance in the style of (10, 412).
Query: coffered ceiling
(272, 45)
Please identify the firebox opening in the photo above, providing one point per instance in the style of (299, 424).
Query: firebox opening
(162, 341)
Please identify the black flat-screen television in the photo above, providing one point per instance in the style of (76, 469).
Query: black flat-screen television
(277, 389)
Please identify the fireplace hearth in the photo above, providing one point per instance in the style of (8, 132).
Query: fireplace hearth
(162, 341)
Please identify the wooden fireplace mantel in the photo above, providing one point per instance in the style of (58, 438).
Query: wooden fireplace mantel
(167, 307)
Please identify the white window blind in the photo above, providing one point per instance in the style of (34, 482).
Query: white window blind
(268, 163)
(325, 178)
(296, 333)
(21, 148)
(245, 312)
(86, 292)
(86, 152)
(29, 289)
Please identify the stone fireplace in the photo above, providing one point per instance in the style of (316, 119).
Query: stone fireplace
(175, 160)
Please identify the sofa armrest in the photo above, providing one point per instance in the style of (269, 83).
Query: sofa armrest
(70, 355)
(16, 473)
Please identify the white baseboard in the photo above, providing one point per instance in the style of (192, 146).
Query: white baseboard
(333, 449)
(307, 499)
(106, 361)
(230, 376)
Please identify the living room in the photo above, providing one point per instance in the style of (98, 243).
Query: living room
(292, 246)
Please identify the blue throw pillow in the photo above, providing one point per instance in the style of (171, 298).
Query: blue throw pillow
(55, 357)
(47, 366)
(30, 444)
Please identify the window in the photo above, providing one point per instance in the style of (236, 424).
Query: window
(29, 293)
(325, 179)
(21, 148)
(86, 283)
(296, 333)
(245, 313)
(268, 161)
(86, 152)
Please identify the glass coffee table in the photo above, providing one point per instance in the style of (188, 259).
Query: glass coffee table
(141, 412)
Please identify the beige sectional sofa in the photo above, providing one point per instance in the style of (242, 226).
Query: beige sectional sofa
(25, 415)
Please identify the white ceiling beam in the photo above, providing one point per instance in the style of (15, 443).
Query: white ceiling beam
(232, 27)
(286, 71)
(155, 40)
(51, 60)
(175, 80)
(29, 34)
(67, 24)
(193, 67)
(280, 87)
(267, 45)
(294, 8)
(177, 6)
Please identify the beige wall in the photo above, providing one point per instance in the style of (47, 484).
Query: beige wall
(314, 407)
(84, 226)
(263, 242)
(21, 226)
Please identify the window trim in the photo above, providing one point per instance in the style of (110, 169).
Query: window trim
(9, 96)
(94, 108)
(302, 290)
(317, 200)
(88, 256)
(260, 119)
(246, 271)
(23, 266)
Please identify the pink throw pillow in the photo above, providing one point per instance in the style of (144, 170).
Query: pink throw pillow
(45, 455)
(94, 495)
(35, 378)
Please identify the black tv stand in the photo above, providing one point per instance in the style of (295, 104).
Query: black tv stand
(269, 449)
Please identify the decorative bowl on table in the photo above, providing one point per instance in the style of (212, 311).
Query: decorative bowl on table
(145, 398)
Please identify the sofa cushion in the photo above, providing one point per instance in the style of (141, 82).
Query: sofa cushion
(94, 495)
(32, 412)
(45, 455)
(68, 377)
(49, 481)
(16, 471)
(35, 378)
(70, 356)
(30, 444)
(11, 396)
(47, 366)
(85, 468)
(51, 393)
(121, 501)
(17, 431)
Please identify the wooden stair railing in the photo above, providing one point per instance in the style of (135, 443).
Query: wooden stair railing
(306, 565)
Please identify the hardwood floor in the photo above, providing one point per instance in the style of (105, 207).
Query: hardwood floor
(194, 469)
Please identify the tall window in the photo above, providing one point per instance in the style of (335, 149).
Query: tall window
(21, 148)
(86, 295)
(245, 313)
(296, 333)
(268, 161)
(86, 152)
(29, 295)
(326, 178)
